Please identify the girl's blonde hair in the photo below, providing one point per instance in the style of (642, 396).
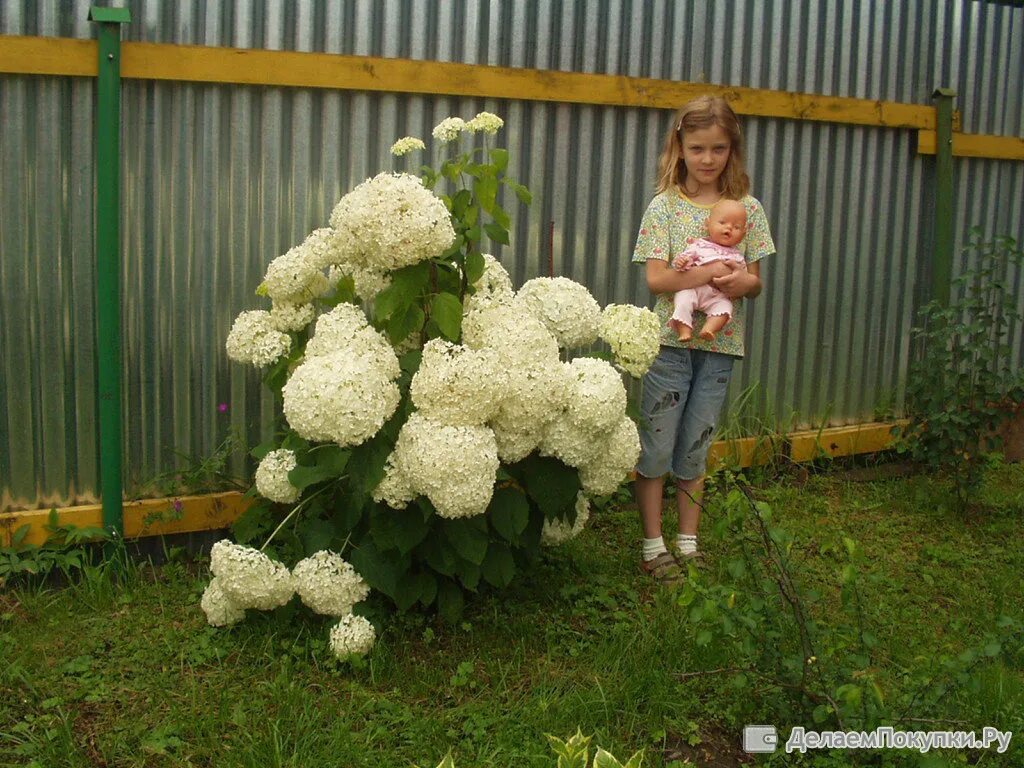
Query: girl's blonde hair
(704, 112)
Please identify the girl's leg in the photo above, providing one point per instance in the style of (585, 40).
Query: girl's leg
(708, 387)
(649, 498)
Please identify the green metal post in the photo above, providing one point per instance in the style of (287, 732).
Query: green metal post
(108, 259)
(942, 264)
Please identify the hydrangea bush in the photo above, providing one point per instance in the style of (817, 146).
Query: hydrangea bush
(434, 431)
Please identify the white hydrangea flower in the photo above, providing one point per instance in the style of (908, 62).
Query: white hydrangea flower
(449, 129)
(514, 444)
(219, 609)
(557, 532)
(352, 635)
(456, 385)
(292, 277)
(454, 467)
(486, 122)
(345, 329)
(617, 457)
(322, 249)
(287, 317)
(343, 396)
(394, 490)
(565, 307)
(253, 339)
(633, 333)
(391, 221)
(597, 399)
(516, 335)
(406, 144)
(272, 477)
(328, 584)
(494, 286)
(250, 579)
(566, 440)
(534, 394)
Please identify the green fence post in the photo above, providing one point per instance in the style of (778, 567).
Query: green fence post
(108, 259)
(942, 264)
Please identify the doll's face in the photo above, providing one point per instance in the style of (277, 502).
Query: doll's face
(727, 223)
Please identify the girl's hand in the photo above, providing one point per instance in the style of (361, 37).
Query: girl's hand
(738, 282)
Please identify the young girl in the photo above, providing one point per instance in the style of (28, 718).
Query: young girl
(685, 388)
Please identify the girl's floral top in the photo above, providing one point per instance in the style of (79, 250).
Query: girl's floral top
(669, 222)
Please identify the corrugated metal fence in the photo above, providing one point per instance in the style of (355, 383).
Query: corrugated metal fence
(220, 179)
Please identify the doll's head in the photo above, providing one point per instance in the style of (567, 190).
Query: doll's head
(727, 222)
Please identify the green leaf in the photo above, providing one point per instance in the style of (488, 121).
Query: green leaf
(551, 484)
(497, 233)
(318, 534)
(407, 284)
(405, 321)
(469, 537)
(498, 567)
(475, 266)
(20, 534)
(461, 202)
(500, 158)
(509, 512)
(330, 461)
(428, 588)
(502, 219)
(407, 591)
(380, 571)
(255, 523)
(486, 190)
(450, 601)
(524, 195)
(400, 529)
(261, 450)
(446, 311)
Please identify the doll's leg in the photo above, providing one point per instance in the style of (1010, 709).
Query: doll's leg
(682, 315)
(719, 309)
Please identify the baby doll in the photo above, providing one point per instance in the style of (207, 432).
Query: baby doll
(727, 226)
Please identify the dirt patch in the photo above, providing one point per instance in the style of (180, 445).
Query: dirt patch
(86, 730)
(718, 748)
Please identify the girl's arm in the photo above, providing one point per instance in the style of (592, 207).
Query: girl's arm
(661, 278)
(740, 283)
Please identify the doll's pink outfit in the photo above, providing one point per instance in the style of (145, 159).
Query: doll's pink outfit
(705, 298)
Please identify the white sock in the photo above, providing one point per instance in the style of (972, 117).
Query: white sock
(653, 548)
(686, 544)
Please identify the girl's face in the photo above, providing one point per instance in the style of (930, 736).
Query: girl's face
(705, 153)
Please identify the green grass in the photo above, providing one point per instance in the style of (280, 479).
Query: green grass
(125, 671)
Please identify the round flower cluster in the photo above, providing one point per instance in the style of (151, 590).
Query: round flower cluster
(328, 584)
(345, 329)
(272, 477)
(598, 398)
(287, 317)
(620, 449)
(454, 467)
(565, 307)
(493, 286)
(343, 396)
(486, 122)
(455, 385)
(633, 334)
(254, 339)
(322, 249)
(406, 145)
(294, 277)
(389, 222)
(219, 609)
(352, 635)
(557, 532)
(248, 578)
(449, 129)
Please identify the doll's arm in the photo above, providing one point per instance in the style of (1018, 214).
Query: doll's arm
(661, 278)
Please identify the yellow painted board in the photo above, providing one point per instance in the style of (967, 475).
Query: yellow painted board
(148, 517)
(48, 56)
(841, 441)
(160, 61)
(975, 145)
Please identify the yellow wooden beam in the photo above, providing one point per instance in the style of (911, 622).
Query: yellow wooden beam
(160, 61)
(975, 145)
(841, 441)
(148, 517)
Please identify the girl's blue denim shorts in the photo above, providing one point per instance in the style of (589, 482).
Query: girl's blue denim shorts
(683, 394)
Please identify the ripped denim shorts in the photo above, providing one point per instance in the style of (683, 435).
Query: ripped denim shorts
(682, 397)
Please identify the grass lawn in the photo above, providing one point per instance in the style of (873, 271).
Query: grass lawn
(98, 674)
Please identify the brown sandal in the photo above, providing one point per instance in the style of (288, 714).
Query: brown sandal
(696, 557)
(664, 569)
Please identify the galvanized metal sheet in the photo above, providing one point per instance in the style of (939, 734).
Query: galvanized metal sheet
(219, 179)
